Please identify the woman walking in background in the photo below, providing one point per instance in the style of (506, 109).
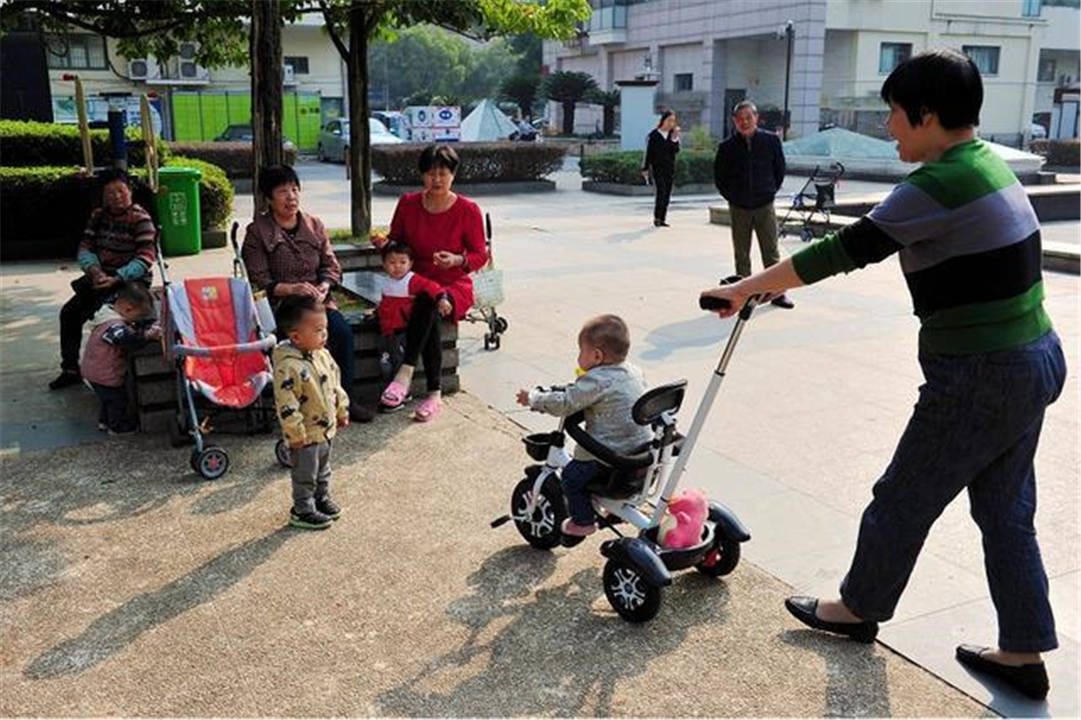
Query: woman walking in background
(660, 163)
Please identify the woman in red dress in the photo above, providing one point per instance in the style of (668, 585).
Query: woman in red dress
(446, 233)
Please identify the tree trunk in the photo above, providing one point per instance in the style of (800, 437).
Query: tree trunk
(568, 117)
(266, 90)
(609, 120)
(359, 156)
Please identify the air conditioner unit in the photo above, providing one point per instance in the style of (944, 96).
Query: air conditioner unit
(289, 75)
(186, 67)
(139, 69)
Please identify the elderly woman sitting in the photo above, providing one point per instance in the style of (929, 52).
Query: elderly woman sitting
(287, 253)
(446, 233)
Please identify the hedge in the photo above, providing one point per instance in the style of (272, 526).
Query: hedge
(1058, 152)
(29, 143)
(480, 162)
(32, 227)
(625, 168)
(235, 158)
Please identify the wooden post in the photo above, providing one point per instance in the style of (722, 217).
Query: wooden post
(266, 89)
(84, 126)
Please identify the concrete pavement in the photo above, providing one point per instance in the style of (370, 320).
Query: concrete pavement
(131, 588)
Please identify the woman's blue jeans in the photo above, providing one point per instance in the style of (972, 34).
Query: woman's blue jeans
(975, 426)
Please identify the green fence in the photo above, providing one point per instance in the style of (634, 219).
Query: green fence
(199, 116)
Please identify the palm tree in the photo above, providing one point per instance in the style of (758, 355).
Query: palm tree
(521, 90)
(608, 101)
(567, 88)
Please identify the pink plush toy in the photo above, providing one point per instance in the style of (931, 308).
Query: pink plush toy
(682, 523)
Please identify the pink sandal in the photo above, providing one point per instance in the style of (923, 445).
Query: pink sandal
(394, 396)
(428, 409)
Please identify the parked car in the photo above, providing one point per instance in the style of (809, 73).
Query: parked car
(393, 120)
(334, 139)
(244, 133)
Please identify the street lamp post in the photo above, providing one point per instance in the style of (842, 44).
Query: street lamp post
(789, 31)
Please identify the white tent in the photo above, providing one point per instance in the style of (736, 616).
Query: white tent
(486, 122)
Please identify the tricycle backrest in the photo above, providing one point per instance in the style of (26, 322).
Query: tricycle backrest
(659, 400)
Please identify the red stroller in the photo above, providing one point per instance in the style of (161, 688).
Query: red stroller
(221, 350)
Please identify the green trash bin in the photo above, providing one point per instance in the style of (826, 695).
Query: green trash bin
(177, 202)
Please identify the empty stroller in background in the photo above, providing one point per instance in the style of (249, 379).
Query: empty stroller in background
(213, 333)
(805, 205)
(487, 295)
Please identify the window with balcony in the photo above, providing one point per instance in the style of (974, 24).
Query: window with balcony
(608, 15)
(890, 55)
(76, 52)
(298, 63)
(683, 82)
(985, 57)
(1031, 8)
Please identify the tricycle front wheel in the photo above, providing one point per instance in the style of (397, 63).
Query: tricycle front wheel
(541, 527)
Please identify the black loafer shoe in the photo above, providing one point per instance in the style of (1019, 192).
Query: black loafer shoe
(1030, 680)
(782, 301)
(804, 609)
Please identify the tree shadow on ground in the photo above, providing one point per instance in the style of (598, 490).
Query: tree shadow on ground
(118, 628)
(551, 648)
(856, 680)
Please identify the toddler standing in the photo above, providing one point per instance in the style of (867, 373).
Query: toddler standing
(105, 358)
(311, 406)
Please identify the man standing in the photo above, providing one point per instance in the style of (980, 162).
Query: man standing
(748, 171)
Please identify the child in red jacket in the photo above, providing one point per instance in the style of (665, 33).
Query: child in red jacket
(400, 285)
(397, 289)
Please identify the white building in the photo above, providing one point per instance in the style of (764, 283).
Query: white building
(709, 54)
(195, 102)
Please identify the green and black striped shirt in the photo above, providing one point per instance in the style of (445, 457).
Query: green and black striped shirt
(969, 244)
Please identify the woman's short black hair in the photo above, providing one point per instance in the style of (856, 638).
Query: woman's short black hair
(944, 82)
(111, 175)
(664, 116)
(274, 177)
(438, 156)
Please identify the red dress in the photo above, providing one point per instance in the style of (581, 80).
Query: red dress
(459, 230)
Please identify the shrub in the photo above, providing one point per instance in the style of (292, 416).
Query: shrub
(480, 162)
(29, 143)
(345, 235)
(235, 158)
(29, 197)
(1058, 152)
(625, 168)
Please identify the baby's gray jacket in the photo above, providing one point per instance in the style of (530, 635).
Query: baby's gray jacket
(606, 393)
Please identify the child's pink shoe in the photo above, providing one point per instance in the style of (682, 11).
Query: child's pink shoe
(573, 529)
(428, 409)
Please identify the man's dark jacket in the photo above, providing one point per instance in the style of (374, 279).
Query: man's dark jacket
(749, 177)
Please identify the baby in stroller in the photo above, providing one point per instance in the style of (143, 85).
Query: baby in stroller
(606, 390)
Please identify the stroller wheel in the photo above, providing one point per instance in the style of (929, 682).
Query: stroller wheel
(491, 341)
(541, 529)
(721, 559)
(211, 463)
(630, 593)
(500, 325)
(281, 452)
